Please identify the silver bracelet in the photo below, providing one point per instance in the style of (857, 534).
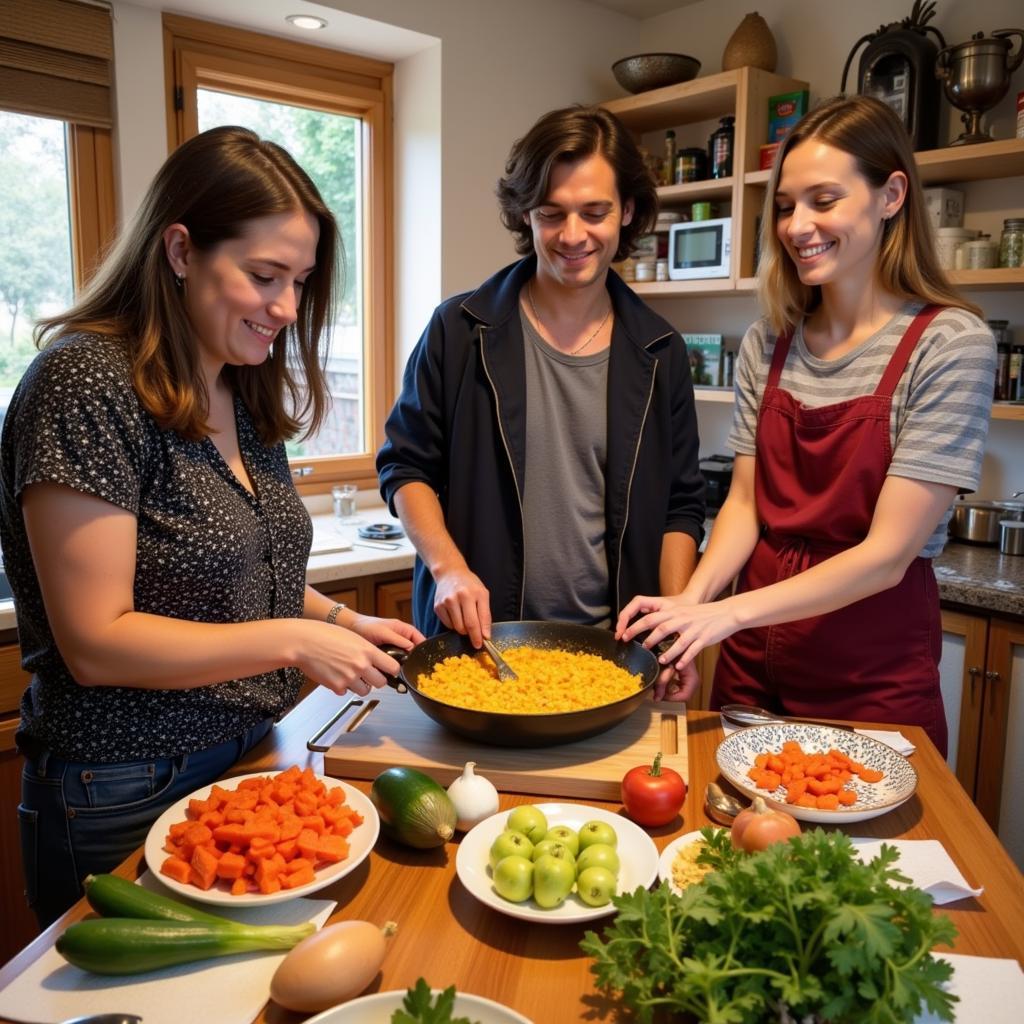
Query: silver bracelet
(332, 615)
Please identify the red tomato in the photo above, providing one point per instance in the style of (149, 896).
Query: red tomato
(653, 795)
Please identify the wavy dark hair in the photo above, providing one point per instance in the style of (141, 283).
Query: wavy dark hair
(565, 136)
(214, 184)
(874, 136)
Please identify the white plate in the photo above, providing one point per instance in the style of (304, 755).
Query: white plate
(668, 855)
(736, 753)
(377, 1009)
(637, 853)
(360, 843)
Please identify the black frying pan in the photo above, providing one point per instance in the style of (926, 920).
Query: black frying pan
(524, 730)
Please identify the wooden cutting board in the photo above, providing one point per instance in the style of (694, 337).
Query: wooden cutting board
(389, 729)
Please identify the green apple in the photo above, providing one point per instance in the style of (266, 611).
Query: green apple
(553, 879)
(509, 843)
(564, 834)
(598, 832)
(596, 886)
(513, 878)
(555, 849)
(600, 855)
(530, 821)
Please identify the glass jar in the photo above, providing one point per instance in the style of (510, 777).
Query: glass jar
(1011, 244)
(691, 165)
(720, 147)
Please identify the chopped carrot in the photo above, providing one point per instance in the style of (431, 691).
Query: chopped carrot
(230, 866)
(204, 867)
(810, 779)
(176, 868)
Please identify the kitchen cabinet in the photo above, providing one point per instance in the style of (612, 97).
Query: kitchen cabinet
(982, 674)
(386, 594)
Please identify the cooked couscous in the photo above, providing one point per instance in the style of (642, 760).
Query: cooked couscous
(685, 869)
(550, 681)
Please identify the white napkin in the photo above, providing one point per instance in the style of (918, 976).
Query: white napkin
(229, 990)
(926, 863)
(890, 737)
(990, 990)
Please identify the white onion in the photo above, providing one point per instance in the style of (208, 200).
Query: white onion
(474, 797)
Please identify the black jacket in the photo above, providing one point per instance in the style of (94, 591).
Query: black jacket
(459, 426)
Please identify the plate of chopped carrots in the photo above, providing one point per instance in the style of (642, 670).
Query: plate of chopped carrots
(262, 838)
(817, 773)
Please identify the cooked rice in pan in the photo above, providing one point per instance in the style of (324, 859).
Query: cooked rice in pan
(550, 681)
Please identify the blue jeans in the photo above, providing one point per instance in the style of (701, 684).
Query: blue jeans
(78, 819)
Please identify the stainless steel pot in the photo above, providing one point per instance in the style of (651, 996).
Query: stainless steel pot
(1011, 537)
(978, 521)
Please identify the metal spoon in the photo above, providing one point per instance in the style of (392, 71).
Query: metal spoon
(750, 714)
(505, 671)
(719, 805)
(106, 1018)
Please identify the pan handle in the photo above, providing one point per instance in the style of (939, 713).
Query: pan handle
(399, 654)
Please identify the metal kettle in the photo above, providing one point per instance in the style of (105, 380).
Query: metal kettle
(976, 76)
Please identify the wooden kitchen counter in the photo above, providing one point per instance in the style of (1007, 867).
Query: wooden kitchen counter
(448, 937)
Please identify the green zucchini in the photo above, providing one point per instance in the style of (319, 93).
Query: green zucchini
(413, 808)
(112, 896)
(129, 945)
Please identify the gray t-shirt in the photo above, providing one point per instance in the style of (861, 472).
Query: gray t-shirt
(940, 408)
(564, 496)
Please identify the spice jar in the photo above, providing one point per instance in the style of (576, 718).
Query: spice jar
(670, 157)
(691, 165)
(1002, 383)
(1011, 243)
(720, 147)
(979, 254)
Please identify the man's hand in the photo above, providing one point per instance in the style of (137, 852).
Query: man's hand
(463, 603)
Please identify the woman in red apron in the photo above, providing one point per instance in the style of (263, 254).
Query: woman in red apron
(862, 405)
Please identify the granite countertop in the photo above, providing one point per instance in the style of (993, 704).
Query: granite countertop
(979, 576)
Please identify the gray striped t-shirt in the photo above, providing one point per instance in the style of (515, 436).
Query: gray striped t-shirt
(940, 409)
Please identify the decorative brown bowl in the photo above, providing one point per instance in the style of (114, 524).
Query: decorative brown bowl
(645, 71)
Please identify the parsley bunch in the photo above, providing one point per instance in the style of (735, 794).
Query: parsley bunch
(419, 1007)
(802, 926)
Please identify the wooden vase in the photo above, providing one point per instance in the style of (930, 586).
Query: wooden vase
(751, 45)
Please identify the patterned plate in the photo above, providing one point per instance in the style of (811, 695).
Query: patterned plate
(736, 753)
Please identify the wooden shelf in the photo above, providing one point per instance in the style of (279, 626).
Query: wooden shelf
(698, 100)
(1008, 411)
(674, 289)
(980, 162)
(996, 279)
(704, 393)
(712, 188)
(756, 177)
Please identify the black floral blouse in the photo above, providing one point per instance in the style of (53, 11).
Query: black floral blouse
(208, 551)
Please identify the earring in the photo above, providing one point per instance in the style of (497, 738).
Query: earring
(179, 280)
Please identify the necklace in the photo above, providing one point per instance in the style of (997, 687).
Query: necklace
(536, 316)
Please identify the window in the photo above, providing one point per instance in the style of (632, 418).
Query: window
(331, 111)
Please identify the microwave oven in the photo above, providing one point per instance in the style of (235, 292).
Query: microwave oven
(699, 248)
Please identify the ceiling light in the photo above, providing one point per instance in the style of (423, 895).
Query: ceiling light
(307, 21)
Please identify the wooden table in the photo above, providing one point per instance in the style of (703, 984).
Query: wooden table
(447, 936)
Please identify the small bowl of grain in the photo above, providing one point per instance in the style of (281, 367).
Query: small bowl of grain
(678, 862)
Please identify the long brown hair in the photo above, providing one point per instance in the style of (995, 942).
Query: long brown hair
(874, 136)
(564, 136)
(214, 184)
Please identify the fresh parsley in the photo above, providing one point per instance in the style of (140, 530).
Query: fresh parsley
(803, 926)
(419, 1007)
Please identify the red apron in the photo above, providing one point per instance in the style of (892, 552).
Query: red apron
(818, 475)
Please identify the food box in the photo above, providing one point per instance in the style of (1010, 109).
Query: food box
(768, 151)
(784, 111)
(1020, 115)
(945, 207)
(705, 352)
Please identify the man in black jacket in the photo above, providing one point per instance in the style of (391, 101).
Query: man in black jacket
(543, 453)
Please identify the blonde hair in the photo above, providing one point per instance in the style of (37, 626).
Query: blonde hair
(214, 184)
(874, 136)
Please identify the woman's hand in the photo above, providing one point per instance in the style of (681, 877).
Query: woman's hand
(677, 684)
(383, 632)
(342, 660)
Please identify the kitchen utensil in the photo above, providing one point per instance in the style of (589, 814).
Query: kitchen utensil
(105, 1018)
(645, 71)
(360, 843)
(380, 1006)
(976, 75)
(1011, 537)
(637, 853)
(523, 730)
(387, 728)
(376, 545)
(380, 531)
(719, 805)
(978, 521)
(505, 670)
(749, 714)
(736, 753)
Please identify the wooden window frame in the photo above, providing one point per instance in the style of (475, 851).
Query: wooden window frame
(201, 54)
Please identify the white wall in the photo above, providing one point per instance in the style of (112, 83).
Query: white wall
(813, 38)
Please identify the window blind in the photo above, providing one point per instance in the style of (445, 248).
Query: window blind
(56, 60)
